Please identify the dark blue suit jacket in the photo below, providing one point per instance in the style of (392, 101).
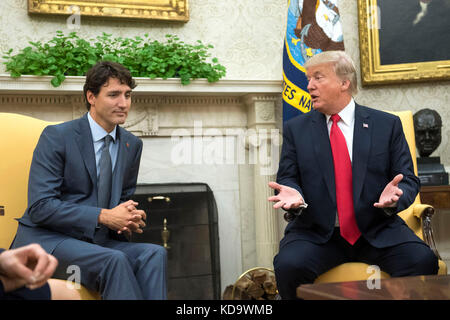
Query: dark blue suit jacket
(62, 188)
(380, 152)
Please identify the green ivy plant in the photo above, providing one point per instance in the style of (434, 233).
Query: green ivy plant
(70, 55)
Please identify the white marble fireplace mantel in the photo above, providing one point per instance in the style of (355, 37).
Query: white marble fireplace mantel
(73, 84)
(205, 119)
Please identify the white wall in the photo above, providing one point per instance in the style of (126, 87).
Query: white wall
(246, 35)
(248, 38)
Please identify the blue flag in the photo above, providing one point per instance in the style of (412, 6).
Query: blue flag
(313, 26)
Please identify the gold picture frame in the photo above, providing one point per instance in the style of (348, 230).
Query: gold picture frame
(171, 10)
(373, 69)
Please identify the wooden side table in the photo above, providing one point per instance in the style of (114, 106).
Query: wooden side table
(405, 288)
(437, 196)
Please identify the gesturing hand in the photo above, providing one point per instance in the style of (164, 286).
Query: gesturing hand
(287, 197)
(27, 266)
(390, 194)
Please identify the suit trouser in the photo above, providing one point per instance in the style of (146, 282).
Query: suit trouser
(118, 270)
(300, 262)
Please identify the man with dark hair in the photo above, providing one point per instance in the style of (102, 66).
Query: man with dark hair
(81, 178)
(99, 74)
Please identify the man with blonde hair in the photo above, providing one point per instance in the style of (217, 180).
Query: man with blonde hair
(345, 172)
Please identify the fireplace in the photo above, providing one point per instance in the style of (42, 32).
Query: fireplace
(183, 219)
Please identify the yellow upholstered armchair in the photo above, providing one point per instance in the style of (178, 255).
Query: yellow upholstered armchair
(417, 217)
(18, 138)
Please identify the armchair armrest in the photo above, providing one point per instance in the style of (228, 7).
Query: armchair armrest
(420, 208)
(425, 213)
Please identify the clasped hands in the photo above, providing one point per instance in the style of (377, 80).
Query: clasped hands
(124, 218)
(289, 198)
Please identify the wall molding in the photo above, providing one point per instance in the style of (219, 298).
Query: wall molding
(74, 84)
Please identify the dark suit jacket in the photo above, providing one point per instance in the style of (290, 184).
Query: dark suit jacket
(62, 188)
(380, 152)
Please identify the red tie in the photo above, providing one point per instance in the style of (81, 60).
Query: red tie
(343, 179)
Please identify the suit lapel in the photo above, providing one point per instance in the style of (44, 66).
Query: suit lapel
(122, 156)
(361, 147)
(83, 137)
(322, 149)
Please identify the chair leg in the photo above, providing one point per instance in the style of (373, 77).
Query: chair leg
(428, 230)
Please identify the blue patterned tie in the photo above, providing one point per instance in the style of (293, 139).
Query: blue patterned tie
(105, 177)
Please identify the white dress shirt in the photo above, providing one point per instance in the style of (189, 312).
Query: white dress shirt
(346, 124)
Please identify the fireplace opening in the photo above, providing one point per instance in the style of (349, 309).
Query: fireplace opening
(182, 217)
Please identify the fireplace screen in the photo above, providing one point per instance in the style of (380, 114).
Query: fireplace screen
(183, 219)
